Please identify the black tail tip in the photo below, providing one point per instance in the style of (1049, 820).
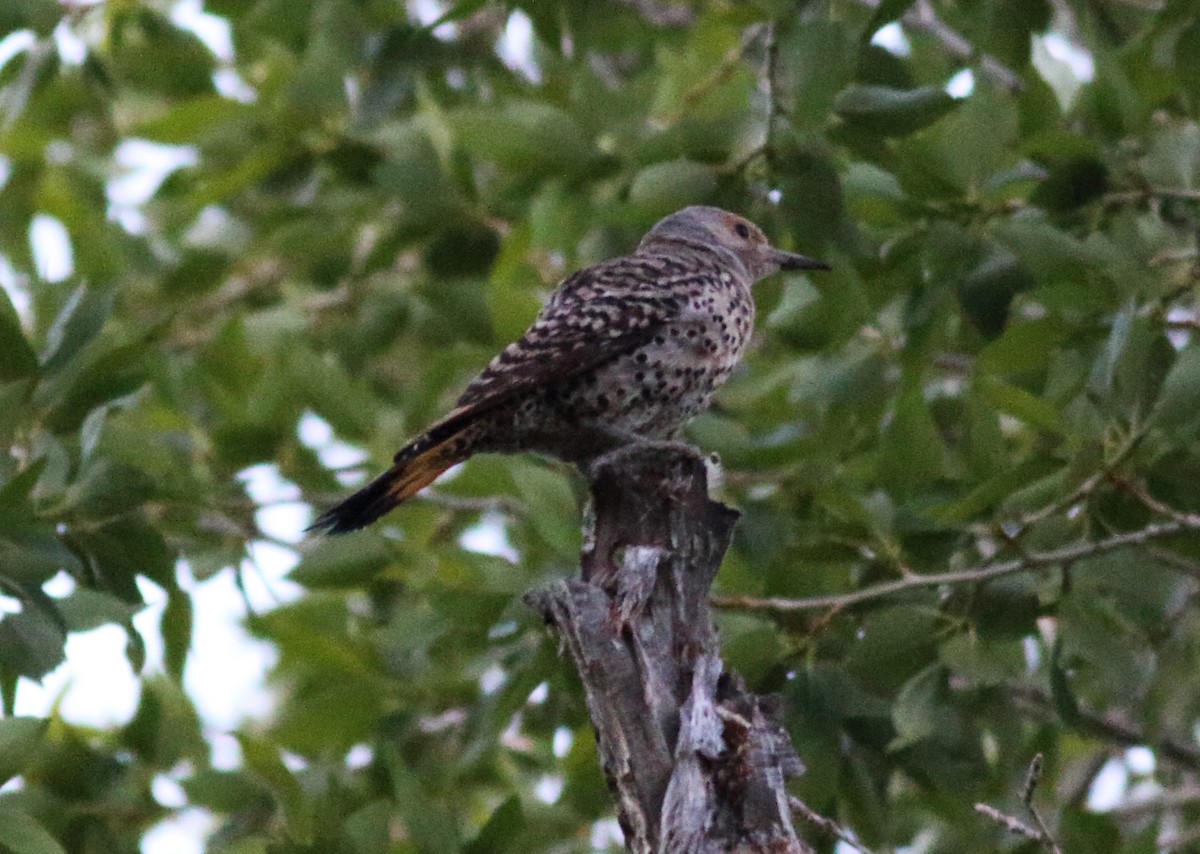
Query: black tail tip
(333, 522)
(356, 512)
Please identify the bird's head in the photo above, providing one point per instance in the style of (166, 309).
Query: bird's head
(716, 228)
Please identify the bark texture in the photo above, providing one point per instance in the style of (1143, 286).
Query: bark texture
(694, 761)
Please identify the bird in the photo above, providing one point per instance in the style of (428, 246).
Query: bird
(624, 351)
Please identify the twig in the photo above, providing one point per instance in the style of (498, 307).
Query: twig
(1142, 494)
(1030, 699)
(467, 504)
(1088, 486)
(1118, 197)
(1191, 324)
(923, 17)
(1180, 563)
(1011, 823)
(1179, 840)
(986, 572)
(662, 14)
(1173, 256)
(1168, 800)
(774, 109)
(725, 69)
(1040, 833)
(1032, 778)
(828, 825)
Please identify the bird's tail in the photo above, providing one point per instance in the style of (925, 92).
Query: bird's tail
(417, 465)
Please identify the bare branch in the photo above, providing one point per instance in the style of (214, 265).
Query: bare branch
(1120, 197)
(828, 825)
(469, 504)
(1032, 777)
(661, 14)
(974, 575)
(1109, 727)
(1178, 841)
(1010, 823)
(1040, 833)
(1176, 255)
(1160, 802)
(922, 17)
(725, 69)
(1087, 487)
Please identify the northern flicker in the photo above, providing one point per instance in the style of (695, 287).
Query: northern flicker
(628, 349)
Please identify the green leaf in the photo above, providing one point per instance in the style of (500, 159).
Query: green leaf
(333, 50)
(1085, 830)
(989, 494)
(34, 555)
(662, 188)
(1024, 347)
(194, 119)
(915, 712)
(816, 61)
(17, 358)
(892, 112)
(987, 291)
(1102, 649)
(527, 137)
(1187, 58)
(511, 299)
(1071, 184)
(336, 396)
(143, 43)
(553, 510)
(1178, 405)
(502, 831)
(20, 740)
(13, 397)
(31, 642)
(264, 761)
(431, 827)
(177, 621)
(122, 550)
(1021, 405)
(369, 827)
(894, 644)
(41, 16)
(348, 561)
(886, 12)
(912, 451)
(88, 609)
(226, 791)
(983, 663)
(20, 833)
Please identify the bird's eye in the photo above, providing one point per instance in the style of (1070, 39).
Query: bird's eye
(742, 230)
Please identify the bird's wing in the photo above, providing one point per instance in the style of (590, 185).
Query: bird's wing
(593, 317)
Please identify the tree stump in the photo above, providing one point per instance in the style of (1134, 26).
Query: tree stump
(696, 763)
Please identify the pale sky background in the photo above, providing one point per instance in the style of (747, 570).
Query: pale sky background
(226, 669)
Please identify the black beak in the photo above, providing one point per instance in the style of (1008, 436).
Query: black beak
(794, 261)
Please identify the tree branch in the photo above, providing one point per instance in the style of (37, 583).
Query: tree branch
(694, 761)
(923, 18)
(1039, 833)
(661, 14)
(1028, 699)
(986, 572)
(828, 825)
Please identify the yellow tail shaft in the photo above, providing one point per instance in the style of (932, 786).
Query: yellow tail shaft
(417, 465)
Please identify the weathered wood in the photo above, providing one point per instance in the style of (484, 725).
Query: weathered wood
(694, 761)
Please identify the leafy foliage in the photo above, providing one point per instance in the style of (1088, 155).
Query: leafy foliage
(363, 208)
